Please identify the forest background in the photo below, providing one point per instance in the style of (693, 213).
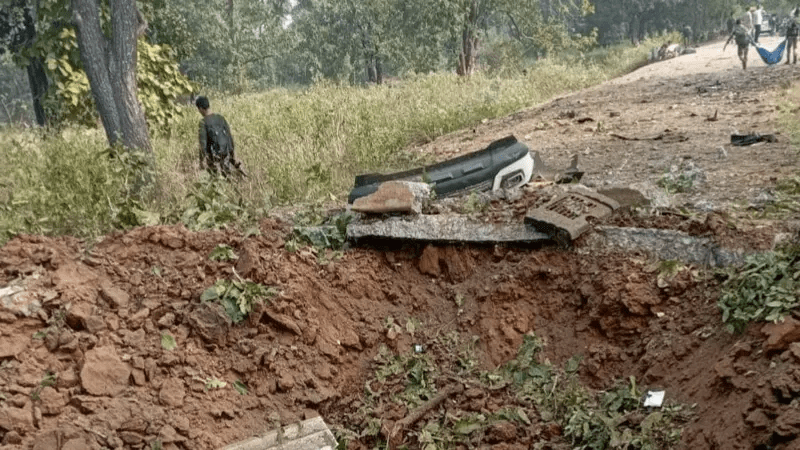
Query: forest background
(315, 90)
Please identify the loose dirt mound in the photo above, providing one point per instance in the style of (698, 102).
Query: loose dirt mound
(84, 362)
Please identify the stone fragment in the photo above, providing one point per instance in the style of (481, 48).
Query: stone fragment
(17, 419)
(52, 401)
(12, 438)
(115, 296)
(78, 314)
(210, 322)
(172, 393)
(104, 373)
(47, 440)
(782, 334)
(429, 261)
(394, 197)
(13, 345)
(18, 301)
(75, 444)
(285, 321)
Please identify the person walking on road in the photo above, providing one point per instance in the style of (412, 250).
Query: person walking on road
(792, 31)
(742, 38)
(758, 19)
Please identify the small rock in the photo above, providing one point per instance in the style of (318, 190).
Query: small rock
(394, 196)
(52, 401)
(115, 296)
(172, 393)
(104, 373)
(137, 319)
(47, 440)
(17, 419)
(75, 444)
(780, 335)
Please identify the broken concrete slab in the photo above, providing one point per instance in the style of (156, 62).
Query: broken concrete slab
(565, 217)
(663, 244)
(442, 228)
(394, 196)
(311, 434)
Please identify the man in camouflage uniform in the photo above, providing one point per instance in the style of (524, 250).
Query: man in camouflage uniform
(216, 141)
(742, 37)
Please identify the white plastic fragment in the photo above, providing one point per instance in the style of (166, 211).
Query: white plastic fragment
(654, 398)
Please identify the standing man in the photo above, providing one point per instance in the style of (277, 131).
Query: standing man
(758, 19)
(216, 141)
(742, 38)
(792, 31)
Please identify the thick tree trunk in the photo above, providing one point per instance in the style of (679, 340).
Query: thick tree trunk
(125, 24)
(111, 69)
(469, 42)
(37, 78)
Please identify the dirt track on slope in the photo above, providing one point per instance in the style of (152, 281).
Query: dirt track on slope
(88, 370)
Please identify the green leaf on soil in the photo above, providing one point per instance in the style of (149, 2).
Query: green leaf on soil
(240, 387)
(168, 342)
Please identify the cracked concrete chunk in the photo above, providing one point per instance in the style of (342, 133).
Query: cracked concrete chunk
(394, 197)
(442, 228)
(311, 434)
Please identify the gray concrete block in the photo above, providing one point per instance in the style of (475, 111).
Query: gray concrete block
(311, 434)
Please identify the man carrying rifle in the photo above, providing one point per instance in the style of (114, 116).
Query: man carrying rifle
(216, 141)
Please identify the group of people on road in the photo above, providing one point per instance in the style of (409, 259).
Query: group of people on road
(748, 31)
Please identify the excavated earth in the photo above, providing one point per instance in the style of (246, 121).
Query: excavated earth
(82, 363)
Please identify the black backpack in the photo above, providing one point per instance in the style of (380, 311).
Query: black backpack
(792, 30)
(219, 141)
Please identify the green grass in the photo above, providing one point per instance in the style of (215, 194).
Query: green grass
(298, 146)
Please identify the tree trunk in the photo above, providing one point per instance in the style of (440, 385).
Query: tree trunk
(111, 69)
(125, 24)
(37, 78)
(469, 42)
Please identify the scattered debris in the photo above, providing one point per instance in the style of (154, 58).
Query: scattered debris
(504, 164)
(741, 140)
(654, 399)
(663, 244)
(666, 136)
(564, 218)
(441, 228)
(394, 196)
(311, 434)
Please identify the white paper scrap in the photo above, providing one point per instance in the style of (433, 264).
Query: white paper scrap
(654, 398)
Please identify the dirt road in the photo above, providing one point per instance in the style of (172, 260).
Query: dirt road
(87, 328)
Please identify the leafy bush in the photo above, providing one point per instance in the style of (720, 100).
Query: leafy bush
(767, 288)
(237, 297)
(608, 419)
(159, 81)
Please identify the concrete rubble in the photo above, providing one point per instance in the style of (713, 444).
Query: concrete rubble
(311, 434)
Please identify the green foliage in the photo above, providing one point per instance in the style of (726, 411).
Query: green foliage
(319, 232)
(159, 82)
(610, 419)
(786, 199)
(766, 288)
(223, 252)
(676, 183)
(237, 297)
(49, 379)
(212, 203)
(240, 387)
(168, 342)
